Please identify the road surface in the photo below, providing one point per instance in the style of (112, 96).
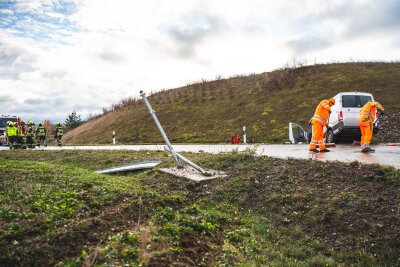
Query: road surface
(386, 155)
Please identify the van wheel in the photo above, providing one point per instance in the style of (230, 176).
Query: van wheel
(330, 136)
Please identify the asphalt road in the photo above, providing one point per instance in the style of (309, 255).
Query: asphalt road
(386, 155)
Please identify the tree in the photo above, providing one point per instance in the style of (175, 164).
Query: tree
(73, 120)
(47, 126)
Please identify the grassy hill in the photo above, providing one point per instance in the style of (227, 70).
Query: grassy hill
(265, 103)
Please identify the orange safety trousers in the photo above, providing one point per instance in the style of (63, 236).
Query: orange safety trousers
(317, 136)
(367, 130)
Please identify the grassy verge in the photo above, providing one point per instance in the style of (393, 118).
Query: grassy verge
(54, 210)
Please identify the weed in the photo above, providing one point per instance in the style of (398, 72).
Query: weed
(164, 215)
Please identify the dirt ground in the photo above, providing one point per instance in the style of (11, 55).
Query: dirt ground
(390, 123)
(350, 206)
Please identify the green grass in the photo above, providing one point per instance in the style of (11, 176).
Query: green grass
(55, 210)
(208, 112)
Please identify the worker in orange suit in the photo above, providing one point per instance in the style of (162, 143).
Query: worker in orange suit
(367, 118)
(319, 121)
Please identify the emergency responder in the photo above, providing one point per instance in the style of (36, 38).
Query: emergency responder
(30, 134)
(319, 121)
(58, 133)
(17, 143)
(21, 134)
(11, 134)
(6, 132)
(41, 135)
(367, 119)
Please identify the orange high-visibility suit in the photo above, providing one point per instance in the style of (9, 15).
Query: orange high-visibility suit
(367, 117)
(319, 121)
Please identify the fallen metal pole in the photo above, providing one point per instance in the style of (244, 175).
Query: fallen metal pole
(194, 165)
(153, 114)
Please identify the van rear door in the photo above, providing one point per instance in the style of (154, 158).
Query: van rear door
(296, 133)
(351, 105)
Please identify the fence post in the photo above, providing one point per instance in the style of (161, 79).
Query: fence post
(244, 135)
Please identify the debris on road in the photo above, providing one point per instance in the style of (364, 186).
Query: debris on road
(192, 174)
(328, 145)
(356, 143)
(131, 167)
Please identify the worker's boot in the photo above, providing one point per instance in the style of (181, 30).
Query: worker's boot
(367, 149)
(325, 150)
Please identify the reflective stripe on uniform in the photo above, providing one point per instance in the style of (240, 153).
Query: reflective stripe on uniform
(319, 118)
(41, 131)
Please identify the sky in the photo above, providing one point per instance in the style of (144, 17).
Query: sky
(57, 56)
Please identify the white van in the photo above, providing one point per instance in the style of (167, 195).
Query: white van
(344, 119)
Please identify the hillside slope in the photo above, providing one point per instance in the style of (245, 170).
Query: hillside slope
(265, 103)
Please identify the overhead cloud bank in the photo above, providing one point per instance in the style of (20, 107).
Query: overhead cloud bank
(62, 55)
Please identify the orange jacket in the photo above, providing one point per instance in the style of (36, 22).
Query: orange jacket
(368, 111)
(21, 130)
(322, 113)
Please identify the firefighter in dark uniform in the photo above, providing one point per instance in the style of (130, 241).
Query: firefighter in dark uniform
(41, 135)
(6, 132)
(21, 134)
(58, 133)
(30, 134)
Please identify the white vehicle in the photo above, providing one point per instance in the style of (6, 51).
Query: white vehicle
(343, 121)
(3, 125)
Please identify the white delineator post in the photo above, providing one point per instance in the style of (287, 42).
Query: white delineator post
(244, 134)
(113, 137)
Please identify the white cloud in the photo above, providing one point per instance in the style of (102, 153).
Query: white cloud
(85, 54)
(6, 12)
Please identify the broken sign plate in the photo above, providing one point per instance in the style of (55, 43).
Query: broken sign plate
(132, 167)
(192, 174)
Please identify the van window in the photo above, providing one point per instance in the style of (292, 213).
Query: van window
(355, 101)
(364, 99)
(297, 132)
(3, 123)
(349, 101)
